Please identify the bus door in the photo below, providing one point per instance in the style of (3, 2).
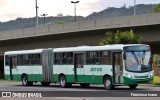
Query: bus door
(47, 65)
(78, 67)
(13, 67)
(117, 67)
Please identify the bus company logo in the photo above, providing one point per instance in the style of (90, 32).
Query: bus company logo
(18, 94)
(96, 69)
(6, 94)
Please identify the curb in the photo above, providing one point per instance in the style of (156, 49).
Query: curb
(149, 85)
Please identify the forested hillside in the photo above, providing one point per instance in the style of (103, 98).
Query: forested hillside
(106, 13)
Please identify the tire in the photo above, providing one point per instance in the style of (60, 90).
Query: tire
(25, 81)
(84, 84)
(108, 83)
(45, 83)
(133, 86)
(63, 81)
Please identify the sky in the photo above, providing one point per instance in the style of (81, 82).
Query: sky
(12, 9)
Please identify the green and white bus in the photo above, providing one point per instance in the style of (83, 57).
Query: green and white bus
(110, 65)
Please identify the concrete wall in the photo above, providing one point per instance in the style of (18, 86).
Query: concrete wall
(6, 35)
(17, 33)
(150, 36)
(53, 42)
(79, 33)
(106, 23)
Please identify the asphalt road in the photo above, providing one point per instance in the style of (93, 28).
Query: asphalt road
(94, 92)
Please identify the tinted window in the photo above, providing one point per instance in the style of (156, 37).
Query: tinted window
(23, 59)
(63, 58)
(92, 57)
(29, 59)
(105, 57)
(137, 48)
(57, 58)
(35, 59)
(67, 58)
(6, 60)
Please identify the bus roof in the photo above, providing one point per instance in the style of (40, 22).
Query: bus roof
(75, 49)
(24, 52)
(94, 48)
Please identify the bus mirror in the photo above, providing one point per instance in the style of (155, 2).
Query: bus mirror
(151, 60)
(124, 56)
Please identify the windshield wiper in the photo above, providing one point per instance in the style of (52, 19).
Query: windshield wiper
(143, 56)
(135, 57)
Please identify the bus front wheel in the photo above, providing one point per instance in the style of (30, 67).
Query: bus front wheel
(108, 83)
(63, 81)
(133, 86)
(25, 81)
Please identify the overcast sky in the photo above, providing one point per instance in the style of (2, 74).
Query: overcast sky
(11, 9)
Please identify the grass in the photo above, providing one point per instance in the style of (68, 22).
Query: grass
(156, 80)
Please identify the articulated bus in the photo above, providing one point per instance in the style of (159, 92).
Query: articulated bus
(110, 65)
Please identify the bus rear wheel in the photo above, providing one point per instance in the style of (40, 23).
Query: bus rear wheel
(25, 81)
(133, 86)
(108, 83)
(45, 83)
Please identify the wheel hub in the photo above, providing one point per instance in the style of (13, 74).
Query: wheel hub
(63, 82)
(108, 83)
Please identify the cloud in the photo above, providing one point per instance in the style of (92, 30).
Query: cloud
(11, 9)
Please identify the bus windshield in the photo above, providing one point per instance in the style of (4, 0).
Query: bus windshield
(137, 59)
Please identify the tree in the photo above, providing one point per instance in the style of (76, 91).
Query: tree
(60, 14)
(156, 8)
(126, 37)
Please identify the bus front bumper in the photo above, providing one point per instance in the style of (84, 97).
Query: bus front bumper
(131, 81)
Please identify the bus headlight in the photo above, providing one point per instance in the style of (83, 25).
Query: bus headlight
(127, 75)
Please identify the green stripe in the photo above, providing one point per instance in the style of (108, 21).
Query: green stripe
(85, 79)
(130, 81)
(70, 78)
(93, 79)
(80, 78)
(31, 77)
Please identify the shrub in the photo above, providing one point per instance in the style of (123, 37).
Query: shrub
(156, 80)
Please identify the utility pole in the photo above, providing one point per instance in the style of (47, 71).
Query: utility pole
(74, 2)
(44, 15)
(36, 14)
(134, 7)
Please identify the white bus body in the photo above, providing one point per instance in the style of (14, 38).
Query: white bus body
(109, 65)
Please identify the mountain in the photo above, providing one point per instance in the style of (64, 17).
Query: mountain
(123, 11)
(20, 23)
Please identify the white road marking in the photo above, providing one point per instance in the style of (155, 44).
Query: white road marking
(70, 98)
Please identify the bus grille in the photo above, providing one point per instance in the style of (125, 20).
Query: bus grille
(141, 77)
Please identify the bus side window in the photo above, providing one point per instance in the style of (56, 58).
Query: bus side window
(58, 58)
(105, 57)
(92, 57)
(96, 61)
(7, 60)
(35, 59)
